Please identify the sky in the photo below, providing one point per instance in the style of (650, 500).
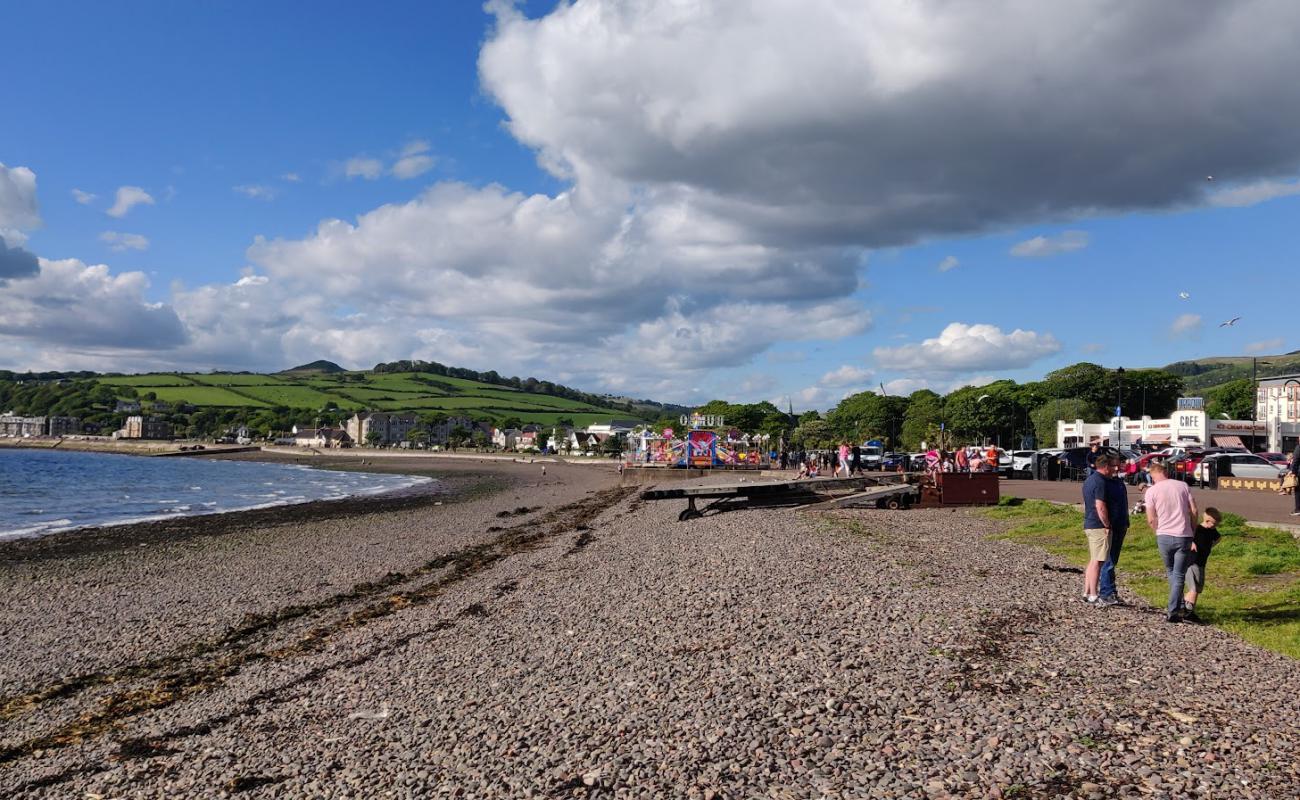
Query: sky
(780, 200)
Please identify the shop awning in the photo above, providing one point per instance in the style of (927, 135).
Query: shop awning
(1156, 438)
(1229, 441)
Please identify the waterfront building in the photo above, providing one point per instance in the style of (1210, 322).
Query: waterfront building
(390, 428)
(13, 425)
(328, 438)
(63, 426)
(1277, 405)
(140, 427)
(128, 407)
(1189, 425)
(505, 439)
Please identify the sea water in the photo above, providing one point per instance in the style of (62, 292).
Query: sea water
(47, 491)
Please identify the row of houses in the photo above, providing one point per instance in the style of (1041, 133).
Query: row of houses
(379, 428)
(13, 425)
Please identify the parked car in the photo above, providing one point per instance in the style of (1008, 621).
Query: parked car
(1022, 463)
(1238, 465)
(1281, 459)
(891, 461)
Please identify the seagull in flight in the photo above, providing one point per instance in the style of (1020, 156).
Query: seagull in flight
(1209, 178)
(1229, 323)
(1183, 295)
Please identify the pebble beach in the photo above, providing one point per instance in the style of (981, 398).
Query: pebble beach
(508, 634)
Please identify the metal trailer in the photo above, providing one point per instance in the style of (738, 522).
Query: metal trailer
(898, 490)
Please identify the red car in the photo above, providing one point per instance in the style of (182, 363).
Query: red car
(1281, 459)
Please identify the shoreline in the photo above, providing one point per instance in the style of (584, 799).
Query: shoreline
(444, 484)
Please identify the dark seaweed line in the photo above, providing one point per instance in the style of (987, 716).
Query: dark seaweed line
(170, 689)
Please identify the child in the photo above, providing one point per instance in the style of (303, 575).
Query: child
(1204, 539)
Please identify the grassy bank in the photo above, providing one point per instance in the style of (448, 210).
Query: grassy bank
(1253, 579)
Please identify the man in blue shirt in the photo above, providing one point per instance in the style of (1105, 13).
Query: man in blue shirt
(1105, 522)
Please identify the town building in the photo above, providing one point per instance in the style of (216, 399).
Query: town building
(1189, 425)
(13, 425)
(505, 439)
(441, 432)
(326, 438)
(128, 407)
(386, 428)
(63, 426)
(1277, 405)
(139, 427)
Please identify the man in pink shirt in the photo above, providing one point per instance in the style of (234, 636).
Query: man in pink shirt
(1170, 511)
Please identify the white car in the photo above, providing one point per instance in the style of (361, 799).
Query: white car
(1022, 462)
(1239, 465)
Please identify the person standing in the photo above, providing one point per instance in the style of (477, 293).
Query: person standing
(1117, 516)
(1170, 511)
(1295, 470)
(1090, 459)
(1204, 539)
(963, 459)
(1101, 515)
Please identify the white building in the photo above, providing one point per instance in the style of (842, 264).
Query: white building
(1190, 424)
(383, 427)
(505, 439)
(1277, 405)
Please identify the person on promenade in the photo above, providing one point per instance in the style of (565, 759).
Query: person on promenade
(991, 457)
(1117, 515)
(1170, 511)
(855, 460)
(1203, 540)
(1295, 470)
(963, 460)
(1090, 459)
(1103, 512)
(844, 460)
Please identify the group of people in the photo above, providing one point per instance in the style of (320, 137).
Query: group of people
(842, 461)
(963, 459)
(1171, 512)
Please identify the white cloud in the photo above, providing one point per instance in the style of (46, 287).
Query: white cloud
(85, 198)
(1043, 246)
(291, 177)
(961, 347)
(846, 375)
(86, 309)
(1186, 325)
(256, 191)
(128, 197)
(18, 209)
(363, 167)
(948, 263)
(1253, 193)
(1266, 346)
(411, 166)
(121, 242)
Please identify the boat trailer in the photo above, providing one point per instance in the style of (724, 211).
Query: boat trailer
(893, 490)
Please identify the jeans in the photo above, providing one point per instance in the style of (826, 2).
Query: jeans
(1177, 554)
(1107, 587)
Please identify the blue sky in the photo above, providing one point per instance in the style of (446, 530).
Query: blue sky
(647, 198)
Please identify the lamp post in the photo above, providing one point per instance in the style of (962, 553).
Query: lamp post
(1119, 406)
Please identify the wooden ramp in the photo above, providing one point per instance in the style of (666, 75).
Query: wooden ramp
(893, 489)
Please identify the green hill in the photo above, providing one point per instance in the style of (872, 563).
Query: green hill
(315, 387)
(1203, 375)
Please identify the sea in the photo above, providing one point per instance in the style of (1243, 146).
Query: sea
(48, 491)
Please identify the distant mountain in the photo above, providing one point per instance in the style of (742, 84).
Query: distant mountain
(1204, 374)
(321, 367)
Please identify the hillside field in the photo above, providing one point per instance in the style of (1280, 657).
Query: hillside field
(352, 391)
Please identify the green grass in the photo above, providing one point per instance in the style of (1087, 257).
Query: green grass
(204, 396)
(233, 379)
(147, 381)
(1253, 578)
(298, 396)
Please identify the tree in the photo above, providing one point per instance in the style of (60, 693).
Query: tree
(1153, 389)
(418, 437)
(1083, 381)
(614, 445)
(921, 422)
(480, 439)
(457, 436)
(813, 434)
(373, 438)
(1232, 400)
(976, 414)
(1045, 416)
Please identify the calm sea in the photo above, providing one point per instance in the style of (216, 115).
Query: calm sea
(45, 491)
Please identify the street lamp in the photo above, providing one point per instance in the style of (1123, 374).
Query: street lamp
(1119, 406)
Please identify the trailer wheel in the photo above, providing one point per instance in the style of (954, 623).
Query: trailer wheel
(688, 514)
(893, 504)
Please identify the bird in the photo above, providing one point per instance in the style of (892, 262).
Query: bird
(1183, 295)
(1229, 323)
(1209, 178)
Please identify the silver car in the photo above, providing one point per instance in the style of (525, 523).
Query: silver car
(1241, 465)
